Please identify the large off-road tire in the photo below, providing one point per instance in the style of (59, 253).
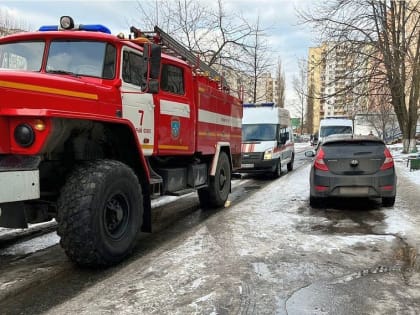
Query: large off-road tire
(100, 213)
(388, 201)
(290, 164)
(216, 194)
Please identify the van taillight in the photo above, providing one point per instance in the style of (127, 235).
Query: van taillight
(389, 161)
(319, 163)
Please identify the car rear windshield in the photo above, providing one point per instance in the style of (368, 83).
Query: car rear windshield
(332, 130)
(353, 143)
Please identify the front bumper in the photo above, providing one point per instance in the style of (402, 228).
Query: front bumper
(254, 166)
(19, 186)
(19, 181)
(19, 178)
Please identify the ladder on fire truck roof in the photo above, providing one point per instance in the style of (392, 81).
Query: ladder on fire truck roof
(169, 43)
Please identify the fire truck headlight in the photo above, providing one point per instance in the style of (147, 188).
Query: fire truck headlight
(24, 135)
(66, 22)
(268, 155)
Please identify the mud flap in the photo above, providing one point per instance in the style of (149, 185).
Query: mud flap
(12, 215)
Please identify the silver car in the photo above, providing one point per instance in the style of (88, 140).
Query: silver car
(352, 166)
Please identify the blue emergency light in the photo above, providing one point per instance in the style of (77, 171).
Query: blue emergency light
(271, 104)
(67, 23)
(47, 28)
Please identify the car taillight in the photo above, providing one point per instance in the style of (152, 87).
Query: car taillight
(319, 163)
(321, 188)
(389, 161)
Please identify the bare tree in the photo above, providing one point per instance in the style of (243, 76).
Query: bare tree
(382, 40)
(381, 117)
(258, 64)
(10, 24)
(217, 36)
(300, 87)
(281, 85)
(310, 109)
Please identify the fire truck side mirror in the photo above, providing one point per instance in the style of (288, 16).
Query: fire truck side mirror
(153, 86)
(152, 59)
(155, 61)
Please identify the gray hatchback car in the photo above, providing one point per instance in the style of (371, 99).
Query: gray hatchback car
(352, 166)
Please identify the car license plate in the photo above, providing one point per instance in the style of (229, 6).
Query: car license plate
(354, 191)
(247, 165)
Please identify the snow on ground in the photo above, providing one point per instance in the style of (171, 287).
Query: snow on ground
(32, 245)
(51, 239)
(401, 165)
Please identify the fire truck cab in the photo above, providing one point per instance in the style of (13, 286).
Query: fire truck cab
(93, 126)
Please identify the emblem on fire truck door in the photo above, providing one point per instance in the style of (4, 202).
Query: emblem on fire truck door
(175, 127)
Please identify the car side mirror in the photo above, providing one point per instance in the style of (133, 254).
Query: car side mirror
(151, 65)
(283, 139)
(310, 153)
(153, 86)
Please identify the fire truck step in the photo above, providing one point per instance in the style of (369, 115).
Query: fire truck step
(155, 186)
(181, 192)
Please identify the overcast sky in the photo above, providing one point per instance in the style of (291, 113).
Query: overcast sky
(288, 40)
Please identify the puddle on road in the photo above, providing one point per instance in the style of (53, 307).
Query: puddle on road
(252, 188)
(371, 284)
(341, 222)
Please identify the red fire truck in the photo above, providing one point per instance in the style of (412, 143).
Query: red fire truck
(93, 126)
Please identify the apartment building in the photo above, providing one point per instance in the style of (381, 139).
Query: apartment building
(266, 89)
(315, 82)
(331, 83)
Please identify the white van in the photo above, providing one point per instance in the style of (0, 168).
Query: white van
(334, 125)
(267, 139)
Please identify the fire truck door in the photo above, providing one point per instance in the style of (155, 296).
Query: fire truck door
(138, 107)
(176, 132)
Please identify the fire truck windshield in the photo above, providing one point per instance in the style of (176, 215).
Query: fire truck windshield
(85, 58)
(25, 55)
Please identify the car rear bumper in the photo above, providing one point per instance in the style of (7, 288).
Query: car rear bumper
(375, 186)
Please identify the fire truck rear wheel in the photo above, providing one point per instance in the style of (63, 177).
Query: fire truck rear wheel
(100, 213)
(216, 194)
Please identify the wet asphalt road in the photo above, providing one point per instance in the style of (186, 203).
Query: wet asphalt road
(268, 252)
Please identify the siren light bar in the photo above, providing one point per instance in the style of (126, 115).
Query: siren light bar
(67, 23)
(270, 104)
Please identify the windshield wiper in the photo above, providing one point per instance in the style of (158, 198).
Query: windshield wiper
(63, 72)
(253, 139)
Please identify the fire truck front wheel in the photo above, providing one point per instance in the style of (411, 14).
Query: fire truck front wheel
(216, 194)
(100, 213)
